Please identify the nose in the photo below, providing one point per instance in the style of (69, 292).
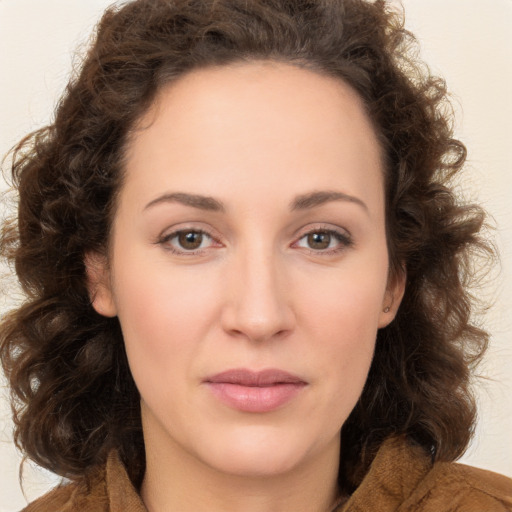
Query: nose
(257, 306)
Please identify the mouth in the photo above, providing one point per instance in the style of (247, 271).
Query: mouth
(255, 391)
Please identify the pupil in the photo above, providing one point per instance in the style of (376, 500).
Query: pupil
(319, 240)
(190, 240)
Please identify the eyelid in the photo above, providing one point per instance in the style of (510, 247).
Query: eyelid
(323, 227)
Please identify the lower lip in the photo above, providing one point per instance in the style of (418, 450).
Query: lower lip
(253, 398)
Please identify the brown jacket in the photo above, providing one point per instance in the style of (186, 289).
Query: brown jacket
(401, 479)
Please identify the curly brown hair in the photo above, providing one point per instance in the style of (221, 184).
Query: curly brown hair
(73, 395)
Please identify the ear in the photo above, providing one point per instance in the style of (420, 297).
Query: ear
(99, 285)
(392, 298)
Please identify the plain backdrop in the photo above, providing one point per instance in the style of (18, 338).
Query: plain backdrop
(468, 42)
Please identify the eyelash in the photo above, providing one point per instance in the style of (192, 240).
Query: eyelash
(344, 239)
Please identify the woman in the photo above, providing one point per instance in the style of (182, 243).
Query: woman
(246, 274)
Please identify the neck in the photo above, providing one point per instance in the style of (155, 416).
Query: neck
(177, 480)
(165, 489)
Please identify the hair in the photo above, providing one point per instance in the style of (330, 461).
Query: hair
(73, 396)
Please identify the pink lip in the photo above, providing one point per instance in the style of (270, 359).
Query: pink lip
(250, 391)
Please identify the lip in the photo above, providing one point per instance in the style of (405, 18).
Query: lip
(255, 391)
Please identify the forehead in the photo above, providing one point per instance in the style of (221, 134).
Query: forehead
(254, 122)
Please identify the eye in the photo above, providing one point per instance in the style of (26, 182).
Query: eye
(187, 241)
(190, 240)
(319, 240)
(324, 241)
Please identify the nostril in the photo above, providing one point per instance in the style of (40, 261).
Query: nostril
(258, 331)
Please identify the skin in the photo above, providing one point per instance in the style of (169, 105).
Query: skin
(261, 291)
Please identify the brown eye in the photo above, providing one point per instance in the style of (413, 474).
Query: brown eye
(320, 240)
(190, 240)
(324, 242)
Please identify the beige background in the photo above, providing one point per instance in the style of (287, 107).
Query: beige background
(466, 41)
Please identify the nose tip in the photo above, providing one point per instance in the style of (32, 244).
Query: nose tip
(257, 308)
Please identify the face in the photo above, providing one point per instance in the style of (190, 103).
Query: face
(249, 267)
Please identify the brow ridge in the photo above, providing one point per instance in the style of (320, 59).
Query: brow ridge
(301, 202)
(318, 198)
(193, 200)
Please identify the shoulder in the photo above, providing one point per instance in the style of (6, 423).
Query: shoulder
(108, 489)
(74, 497)
(457, 487)
(57, 499)
(403, 478)
(68, 498)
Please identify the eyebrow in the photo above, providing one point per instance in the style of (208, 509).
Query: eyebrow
(302, 202)
(319, 198)
(194, 200)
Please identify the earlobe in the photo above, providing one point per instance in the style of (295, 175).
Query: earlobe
(392, 298)
(98, 284)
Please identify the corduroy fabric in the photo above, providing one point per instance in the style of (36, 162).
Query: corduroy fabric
(402, 478)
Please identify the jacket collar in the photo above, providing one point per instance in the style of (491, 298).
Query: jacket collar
(121, 494)
(393, 476)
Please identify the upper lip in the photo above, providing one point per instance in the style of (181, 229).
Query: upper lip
(251, 378)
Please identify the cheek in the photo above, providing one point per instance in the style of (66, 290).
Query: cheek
(163, 317)
(346, 304)
(342, 318)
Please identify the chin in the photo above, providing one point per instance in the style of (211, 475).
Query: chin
(257, 463)
(258, 452)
